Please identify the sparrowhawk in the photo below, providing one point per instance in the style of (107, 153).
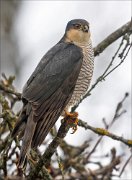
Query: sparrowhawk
(60, 80)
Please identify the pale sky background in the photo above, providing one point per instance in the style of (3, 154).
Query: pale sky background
(41, 24)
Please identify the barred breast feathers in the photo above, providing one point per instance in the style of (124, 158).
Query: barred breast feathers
(85, 74)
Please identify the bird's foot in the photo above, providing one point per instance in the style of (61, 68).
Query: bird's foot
(72, 120)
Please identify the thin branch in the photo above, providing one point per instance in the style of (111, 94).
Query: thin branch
(94, 148)
(113, 58)
(93, 174)
(60, 165)
(9, 90)
(104, 132)
(117, 111)
(107, 126)
(125, 165)
(119, 63)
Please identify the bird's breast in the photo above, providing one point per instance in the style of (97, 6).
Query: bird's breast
(85, 75)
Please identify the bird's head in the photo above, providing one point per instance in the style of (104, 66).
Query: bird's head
(77, 31)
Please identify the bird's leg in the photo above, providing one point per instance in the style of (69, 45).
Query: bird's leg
(72, 119)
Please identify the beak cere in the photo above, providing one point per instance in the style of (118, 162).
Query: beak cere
(85, 28)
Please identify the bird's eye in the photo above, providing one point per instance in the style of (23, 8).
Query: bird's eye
(77, 26)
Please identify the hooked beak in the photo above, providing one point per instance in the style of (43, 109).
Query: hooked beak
(85, 28)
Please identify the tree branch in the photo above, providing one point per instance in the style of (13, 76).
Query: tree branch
(125, 165)
(59, 137)
(10, 91)
(46, 157)
(127, 28)
(104, 132)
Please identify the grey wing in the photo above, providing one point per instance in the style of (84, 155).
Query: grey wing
(49, 90)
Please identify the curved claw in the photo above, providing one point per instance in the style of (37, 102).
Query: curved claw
(72, 119)
(74, 129)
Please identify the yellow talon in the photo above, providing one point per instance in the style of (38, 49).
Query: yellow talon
(74, 128)
(72, 119)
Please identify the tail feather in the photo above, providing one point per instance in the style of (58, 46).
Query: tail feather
(22, 120)
(20, 125)
(29, 131)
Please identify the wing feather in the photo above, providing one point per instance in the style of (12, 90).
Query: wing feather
(50, 74)
(57, 103)
(51, 86)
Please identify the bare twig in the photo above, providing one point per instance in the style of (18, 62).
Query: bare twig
(9, 90)
(60, 165)
(107, 126)
(117, 111)
(89, 174)
(104, 132)
(94, 148)
(122, 170)
(119, 63)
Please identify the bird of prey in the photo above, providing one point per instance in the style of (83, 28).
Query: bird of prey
(60, 80)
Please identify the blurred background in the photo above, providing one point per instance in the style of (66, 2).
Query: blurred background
(30, 28)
